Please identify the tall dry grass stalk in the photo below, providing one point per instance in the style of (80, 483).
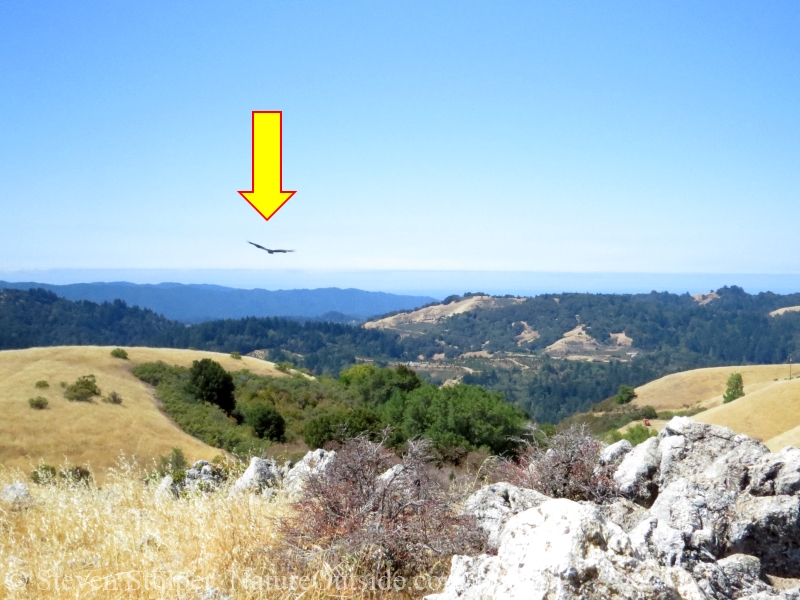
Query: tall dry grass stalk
(120, 541)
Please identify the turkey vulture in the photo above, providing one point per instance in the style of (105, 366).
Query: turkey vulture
(270, 251)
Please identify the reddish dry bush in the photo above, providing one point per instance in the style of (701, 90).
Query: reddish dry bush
(565, 465)
(375, 513)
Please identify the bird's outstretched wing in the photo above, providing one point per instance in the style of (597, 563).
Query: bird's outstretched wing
(271, 251)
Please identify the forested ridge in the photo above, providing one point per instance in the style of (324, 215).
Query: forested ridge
(736, 327)
(671, 333)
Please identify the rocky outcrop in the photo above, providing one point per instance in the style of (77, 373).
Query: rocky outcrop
(565, 550)
(260, 475)
(614, 453)
(683, 448)
(16, 496)
(203, 477)
(493, 505)
(313, 463)
(703, 513)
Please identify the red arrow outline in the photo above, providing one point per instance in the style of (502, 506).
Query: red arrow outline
(253, 163)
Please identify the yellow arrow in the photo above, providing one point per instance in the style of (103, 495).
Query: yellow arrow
(267, 195)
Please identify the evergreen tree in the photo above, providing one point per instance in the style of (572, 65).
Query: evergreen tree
(735, 388)
(209, 382)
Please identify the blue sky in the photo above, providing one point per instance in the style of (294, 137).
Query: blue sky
(514, 136)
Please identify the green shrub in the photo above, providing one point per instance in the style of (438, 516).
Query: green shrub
(209, 382)
(648, 412)
(200, 419)
(83, 389)
(635, 434)
(43, 474)
(156, 372)
(374, 385)
(236, 356)
(42, 384)
(734, 389)
(461, 415)
(265, 420)
(113, 398)
(284, 367)
(174, 464)
(76, 475)
(625, 394)
(38, 403)
(340, 425)
(119, 353)
(639, 433)
(63, 384)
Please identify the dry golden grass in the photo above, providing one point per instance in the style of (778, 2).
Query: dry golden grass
(656, 424)
(705, 387)
(94, 433)
(122, 542)
(787, 438)
(783, 311)
(763, 414)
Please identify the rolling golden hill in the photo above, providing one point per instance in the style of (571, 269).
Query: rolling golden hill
(93, 433)
(704, 387)
(769, 410)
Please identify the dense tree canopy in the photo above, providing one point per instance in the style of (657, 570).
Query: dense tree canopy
(671, 333)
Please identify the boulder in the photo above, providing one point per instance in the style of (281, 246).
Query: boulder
(634, 476)
(615, 452)
(688, 447)
(566, 550)
(16, 496)
(202, 477)
(315, 462)
(706, 513)
(683, 448)
(735, 576)
(776, 473)
(259, 475)
(391, 474)
(493, 505)
(769, 527)
(166, 489)
(622, 512)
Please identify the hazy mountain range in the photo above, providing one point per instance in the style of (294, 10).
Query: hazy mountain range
(195, 303)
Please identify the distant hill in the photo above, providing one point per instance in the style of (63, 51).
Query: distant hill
(554, 355)
(30, 318)
(769, 410)
(197, 303)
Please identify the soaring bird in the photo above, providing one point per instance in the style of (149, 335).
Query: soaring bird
(271, 251)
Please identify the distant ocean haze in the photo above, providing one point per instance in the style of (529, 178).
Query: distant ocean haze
(436, 284)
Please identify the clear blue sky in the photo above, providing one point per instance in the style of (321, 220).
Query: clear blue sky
(558, 136)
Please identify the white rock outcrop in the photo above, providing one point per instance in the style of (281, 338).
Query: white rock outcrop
(259, 475)
(566, 550)
(314, 462)
(704, 513)
(493, 505)
(16, 496)
(615, 452)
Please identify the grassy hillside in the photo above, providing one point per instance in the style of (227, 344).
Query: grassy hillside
(93, 433)
(769, 408)
(765, 413)
(705, 387)
(553, 356)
